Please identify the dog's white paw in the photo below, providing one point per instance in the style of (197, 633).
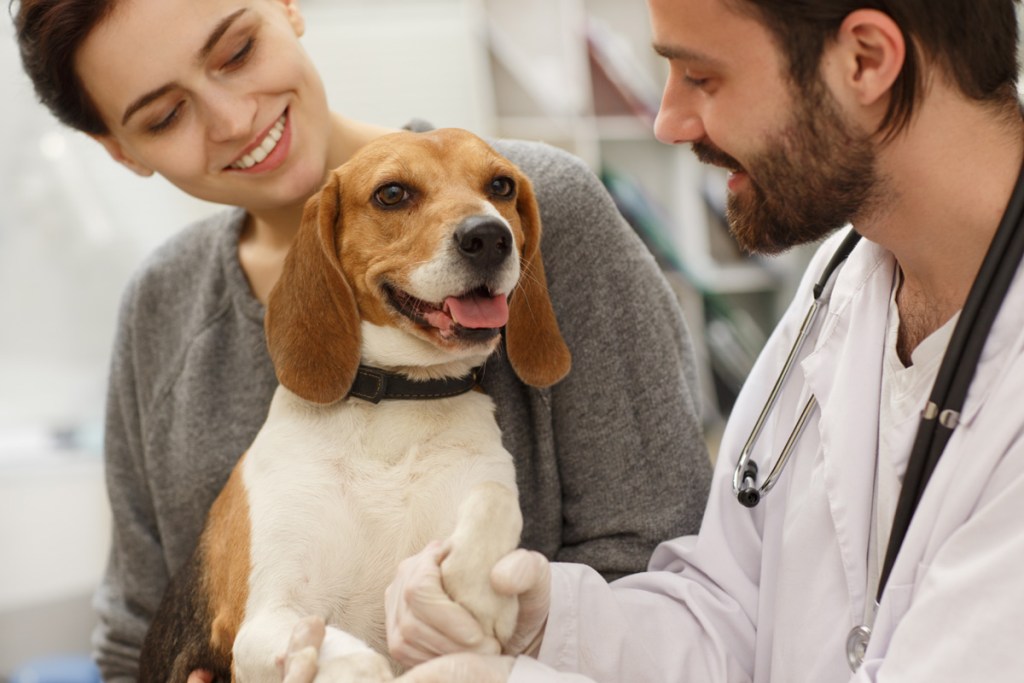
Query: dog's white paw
(359, 667)
(488, 528)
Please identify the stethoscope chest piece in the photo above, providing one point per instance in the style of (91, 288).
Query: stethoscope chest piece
(856, 645)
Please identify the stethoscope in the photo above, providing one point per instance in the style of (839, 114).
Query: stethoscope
(942, 411)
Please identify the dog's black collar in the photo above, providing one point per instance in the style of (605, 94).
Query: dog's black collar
(374, 385)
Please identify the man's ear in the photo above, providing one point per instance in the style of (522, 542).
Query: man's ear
(866, 58)
(118, 154)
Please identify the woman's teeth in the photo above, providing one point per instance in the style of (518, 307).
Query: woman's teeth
(263, 149)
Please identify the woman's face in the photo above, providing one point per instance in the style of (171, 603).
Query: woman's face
(217, 96)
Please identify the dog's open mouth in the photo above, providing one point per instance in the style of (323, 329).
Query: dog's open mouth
(477, 315)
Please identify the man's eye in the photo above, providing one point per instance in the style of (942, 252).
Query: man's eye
(694, 81)
(390, 195)
(502, 186)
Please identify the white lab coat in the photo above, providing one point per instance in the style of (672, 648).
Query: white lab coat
(770, 594)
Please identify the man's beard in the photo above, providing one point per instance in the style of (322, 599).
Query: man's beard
(811, 179)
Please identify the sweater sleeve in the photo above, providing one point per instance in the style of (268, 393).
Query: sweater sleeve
(136, 573)
(632, 462)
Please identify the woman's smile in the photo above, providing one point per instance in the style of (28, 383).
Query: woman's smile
(268, 151)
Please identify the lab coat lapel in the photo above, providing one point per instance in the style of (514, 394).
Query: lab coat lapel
(844, 372)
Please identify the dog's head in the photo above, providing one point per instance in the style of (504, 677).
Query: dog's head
(413, 256)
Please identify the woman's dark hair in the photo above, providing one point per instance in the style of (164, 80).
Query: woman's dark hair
(50, 33)
(973, 41)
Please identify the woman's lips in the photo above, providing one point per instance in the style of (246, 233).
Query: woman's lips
(269, 152)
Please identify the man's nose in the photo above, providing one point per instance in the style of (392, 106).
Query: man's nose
(678, 120)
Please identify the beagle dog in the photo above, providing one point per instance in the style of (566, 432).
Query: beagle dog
(407, 265)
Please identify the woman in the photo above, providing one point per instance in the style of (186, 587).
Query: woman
(219, 97)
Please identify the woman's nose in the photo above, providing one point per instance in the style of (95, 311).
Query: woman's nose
(678, 120)
(229, 116)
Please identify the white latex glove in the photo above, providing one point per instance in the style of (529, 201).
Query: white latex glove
(423, 622)
(461, 668)
(299, 662)
(526, 574)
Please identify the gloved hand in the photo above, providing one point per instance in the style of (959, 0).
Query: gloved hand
(423, 622)
(461, 668)
(299, 662)
(526, 574)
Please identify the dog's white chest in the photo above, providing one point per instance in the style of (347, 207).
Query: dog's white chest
(339, 495)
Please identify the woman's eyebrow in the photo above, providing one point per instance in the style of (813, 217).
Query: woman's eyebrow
(215, 35)
(218, 32)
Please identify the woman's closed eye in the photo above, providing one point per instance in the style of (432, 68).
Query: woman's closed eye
(241, 56)
(165, 122)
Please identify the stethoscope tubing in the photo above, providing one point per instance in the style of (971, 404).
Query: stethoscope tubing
(956, 372)
(744, 478)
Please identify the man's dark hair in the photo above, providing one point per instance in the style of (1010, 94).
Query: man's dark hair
(973, 41)
(49, 33)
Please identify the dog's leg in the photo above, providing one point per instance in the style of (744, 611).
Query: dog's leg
(263, 639)
(487, 528)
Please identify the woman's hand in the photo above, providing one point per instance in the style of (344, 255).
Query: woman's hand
(423, 622)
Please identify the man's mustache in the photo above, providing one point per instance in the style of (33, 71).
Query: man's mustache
(711, 155)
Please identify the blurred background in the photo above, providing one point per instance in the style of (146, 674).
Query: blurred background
(579, 74)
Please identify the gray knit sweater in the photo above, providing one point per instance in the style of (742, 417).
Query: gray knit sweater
(609, 462)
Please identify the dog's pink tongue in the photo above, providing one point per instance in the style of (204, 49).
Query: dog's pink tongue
(478, 311)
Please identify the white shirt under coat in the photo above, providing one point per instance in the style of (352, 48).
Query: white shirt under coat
(770, 594)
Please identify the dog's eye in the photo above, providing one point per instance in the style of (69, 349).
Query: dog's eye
(502, 186)
(390, 195)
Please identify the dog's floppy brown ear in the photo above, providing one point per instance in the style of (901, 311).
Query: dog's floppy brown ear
(534, 343)
(312, 322)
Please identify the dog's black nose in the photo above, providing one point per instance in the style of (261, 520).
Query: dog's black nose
(484, 240)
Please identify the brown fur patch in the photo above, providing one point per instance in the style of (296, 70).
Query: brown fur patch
(226, 547)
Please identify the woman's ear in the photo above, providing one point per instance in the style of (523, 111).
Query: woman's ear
(866, 57)
(117, 153)
(295, 17)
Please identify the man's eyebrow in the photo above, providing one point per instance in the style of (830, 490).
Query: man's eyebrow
(215, 35)
(675, 53)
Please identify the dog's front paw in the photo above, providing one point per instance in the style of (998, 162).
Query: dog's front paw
(358, 667)
(488, 527)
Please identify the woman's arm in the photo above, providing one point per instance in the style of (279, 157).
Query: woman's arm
(632, 462)
(136, 573)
